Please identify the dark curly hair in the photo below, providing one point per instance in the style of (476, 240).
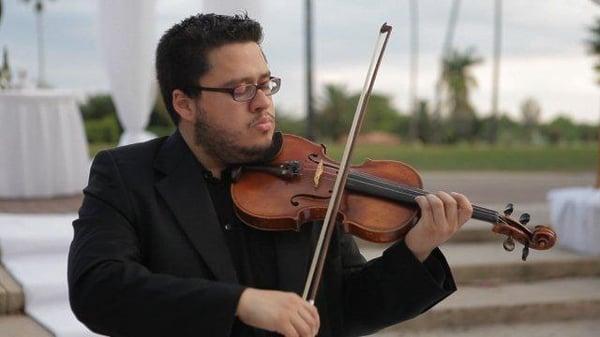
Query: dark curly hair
(181, 55)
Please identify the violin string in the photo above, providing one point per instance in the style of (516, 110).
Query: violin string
(400, 191)
(368, 179)
(409, 191)
(405, 191)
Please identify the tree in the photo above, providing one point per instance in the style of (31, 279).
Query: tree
(594, 49)
(424, 122)
(492, 136)
(561, 129)
(5, 73)
(530, 116)
(436, 119)
(414, 68)
(333, 116)
(39, 10)
(381, 114)
(594, 44)
(457, 82)
(337, 111)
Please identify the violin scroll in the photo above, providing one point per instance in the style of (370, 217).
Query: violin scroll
(541, 238)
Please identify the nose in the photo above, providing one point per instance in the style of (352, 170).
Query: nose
(260, 102)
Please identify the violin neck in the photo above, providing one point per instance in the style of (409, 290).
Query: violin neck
(370, 185)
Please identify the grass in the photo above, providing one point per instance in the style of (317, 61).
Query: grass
(572, 158)
(575, 158)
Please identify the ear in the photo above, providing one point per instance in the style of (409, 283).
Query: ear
(184, 105)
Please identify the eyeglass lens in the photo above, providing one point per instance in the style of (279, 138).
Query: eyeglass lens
(248, 91)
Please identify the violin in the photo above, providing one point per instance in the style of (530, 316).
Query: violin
(374, 201)
(378, 204)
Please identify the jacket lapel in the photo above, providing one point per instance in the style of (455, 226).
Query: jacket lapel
(184, 190)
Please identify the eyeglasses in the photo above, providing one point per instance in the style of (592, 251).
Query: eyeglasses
(247, 92)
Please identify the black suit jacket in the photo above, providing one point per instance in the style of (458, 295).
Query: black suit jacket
(148, 257)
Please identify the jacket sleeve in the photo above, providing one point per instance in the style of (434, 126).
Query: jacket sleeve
(391, 288)
(112, 292)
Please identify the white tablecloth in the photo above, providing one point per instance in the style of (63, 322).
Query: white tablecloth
(43, 149)
(575, 216)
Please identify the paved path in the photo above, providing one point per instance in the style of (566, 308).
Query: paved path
(481, 187)
(504, 187)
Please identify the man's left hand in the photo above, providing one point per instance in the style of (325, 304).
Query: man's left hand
(442, 215)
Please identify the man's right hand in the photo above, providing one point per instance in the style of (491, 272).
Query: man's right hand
(285, 313)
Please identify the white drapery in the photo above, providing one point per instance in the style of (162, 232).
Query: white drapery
(126, 30)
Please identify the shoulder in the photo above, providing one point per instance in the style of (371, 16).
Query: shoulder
(133, 155)
(116, 174)
(124, 165)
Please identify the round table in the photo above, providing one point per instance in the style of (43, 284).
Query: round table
(43, 149)
(575, 216)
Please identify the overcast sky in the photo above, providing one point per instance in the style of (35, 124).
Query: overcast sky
(544, 51)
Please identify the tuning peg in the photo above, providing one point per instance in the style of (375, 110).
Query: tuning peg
(524, 219)
(525, 253)
(508, 209)
(509, 244)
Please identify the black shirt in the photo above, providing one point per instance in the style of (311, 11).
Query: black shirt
(252, 251)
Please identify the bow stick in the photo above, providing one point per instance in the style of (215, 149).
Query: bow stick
(318, 261)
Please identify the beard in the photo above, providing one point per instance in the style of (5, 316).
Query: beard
(224, 144)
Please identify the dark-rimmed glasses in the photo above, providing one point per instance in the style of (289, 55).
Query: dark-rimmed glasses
(247, 92)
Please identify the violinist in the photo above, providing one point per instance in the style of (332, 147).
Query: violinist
(159, 251)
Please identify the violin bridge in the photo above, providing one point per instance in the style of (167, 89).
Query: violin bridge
(318, 173)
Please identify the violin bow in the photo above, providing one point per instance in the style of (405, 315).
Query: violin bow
(316, 268)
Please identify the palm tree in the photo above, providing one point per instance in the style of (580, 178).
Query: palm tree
(414, 68)
(594, 49)
(38, 6)
(446, 50)
(530, 116)
(5, 75)
(594, 44)
(496, 71)
(457, 82)
(310, 111)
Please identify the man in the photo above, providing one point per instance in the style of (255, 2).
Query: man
(158, 250)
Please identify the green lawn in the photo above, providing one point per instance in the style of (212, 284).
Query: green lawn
(471, 157)
(574, 158)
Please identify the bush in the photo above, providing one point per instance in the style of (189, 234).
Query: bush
(97, 107)
(103, 130)
(161, 131)
(102, 126)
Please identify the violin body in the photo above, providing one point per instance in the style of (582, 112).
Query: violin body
(268, 202)
(378, 203)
